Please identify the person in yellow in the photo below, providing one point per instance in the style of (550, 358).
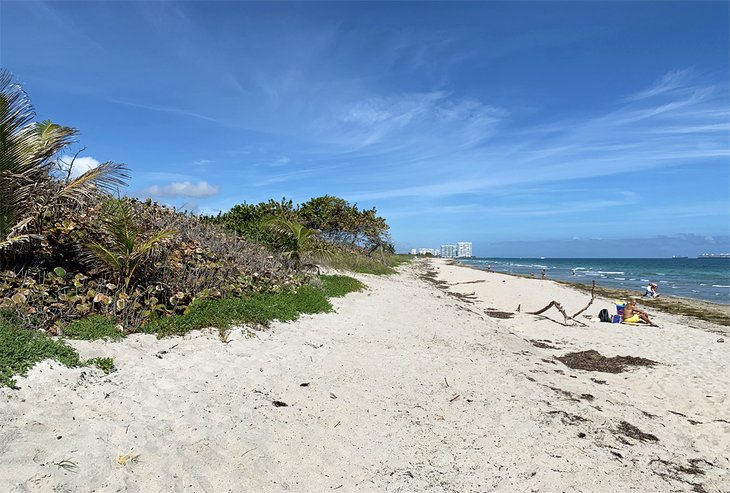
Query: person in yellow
(633, 315)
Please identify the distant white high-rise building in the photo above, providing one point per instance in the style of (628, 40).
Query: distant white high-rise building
(448, 251)
(414, 251)
(463, 249)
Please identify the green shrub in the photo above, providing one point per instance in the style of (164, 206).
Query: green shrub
(21, 348)
(93, 328)
(104, 364)
(257, 309)
(337, 286)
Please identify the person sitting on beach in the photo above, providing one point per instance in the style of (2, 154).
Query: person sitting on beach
(650, 290)
(633, 315)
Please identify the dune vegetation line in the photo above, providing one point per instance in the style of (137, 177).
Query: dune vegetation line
(80, 260)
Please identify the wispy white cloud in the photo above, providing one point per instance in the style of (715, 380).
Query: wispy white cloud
(679, 121)
(201, 189)
(281, 161)
(166, 109)
(411, 117)
(670, 82)
(539, 206)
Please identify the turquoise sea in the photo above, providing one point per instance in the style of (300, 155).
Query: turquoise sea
(704, 279)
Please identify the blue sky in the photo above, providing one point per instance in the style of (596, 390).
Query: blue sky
(547, 128)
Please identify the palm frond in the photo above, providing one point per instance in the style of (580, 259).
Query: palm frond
(306, 242)
(107, 177)
(51, 134)
(16, 137)
(12, 241)
(51, 138)
(319, 251)
(16, 235)
(125, 251)
(106, 256)
(146, 246)
(279, 225)
(118, 223)
(16, 113)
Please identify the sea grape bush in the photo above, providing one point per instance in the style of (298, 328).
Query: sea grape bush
(196, 260)
(336, 221)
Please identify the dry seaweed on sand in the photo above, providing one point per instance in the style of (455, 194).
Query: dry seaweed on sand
(627, 429)
(498, 314)
(568, 418)
(466, 297)
(430, 276)
(672, 471)
(592, 360)
(543, 344)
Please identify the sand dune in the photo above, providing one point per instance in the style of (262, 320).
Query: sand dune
(407, 387)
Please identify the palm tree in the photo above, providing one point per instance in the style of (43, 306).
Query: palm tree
(27, 186)
(125, 250)
(305, 245)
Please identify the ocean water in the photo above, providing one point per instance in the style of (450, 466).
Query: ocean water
(704, 279)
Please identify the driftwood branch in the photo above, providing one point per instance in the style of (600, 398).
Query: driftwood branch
(552, 304)
(555, 304)
(560, 308)
(593, 297)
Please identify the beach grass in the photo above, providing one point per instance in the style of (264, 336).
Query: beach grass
(338, 286)
(93, 328)
(21, 348)
(104, 364)
(362, 264)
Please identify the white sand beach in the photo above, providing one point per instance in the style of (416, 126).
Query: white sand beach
(406, 387)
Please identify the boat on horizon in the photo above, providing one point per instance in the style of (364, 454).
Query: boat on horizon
(714, 255)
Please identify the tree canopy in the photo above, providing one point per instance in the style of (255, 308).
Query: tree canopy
(335, 219)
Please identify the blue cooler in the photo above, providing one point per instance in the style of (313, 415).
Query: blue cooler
(618, 318)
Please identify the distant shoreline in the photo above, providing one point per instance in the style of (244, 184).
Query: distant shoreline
(681, 278)
(702, 309)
